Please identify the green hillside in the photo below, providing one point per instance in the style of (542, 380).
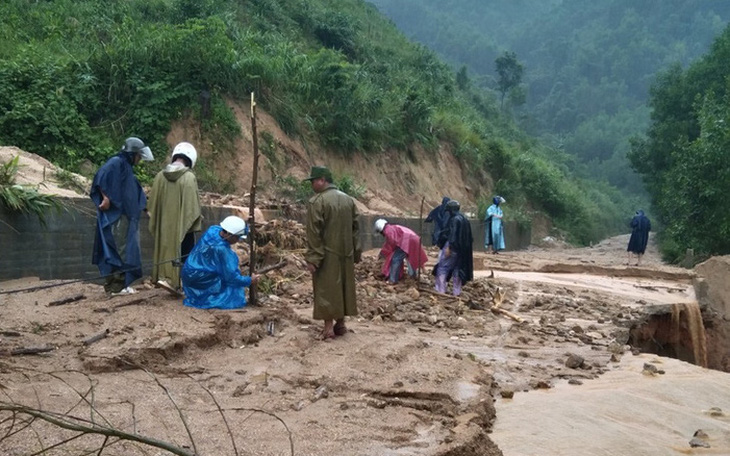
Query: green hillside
(78, 76)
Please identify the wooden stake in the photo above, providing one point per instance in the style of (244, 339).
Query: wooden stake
(252, 202)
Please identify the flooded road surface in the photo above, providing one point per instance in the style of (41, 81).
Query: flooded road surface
(623, 412)
(647, 290)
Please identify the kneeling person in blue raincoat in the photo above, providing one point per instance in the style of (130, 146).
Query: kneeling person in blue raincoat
(211, 278)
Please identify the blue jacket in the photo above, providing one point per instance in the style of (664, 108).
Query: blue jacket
(211, 278)
(117, 180)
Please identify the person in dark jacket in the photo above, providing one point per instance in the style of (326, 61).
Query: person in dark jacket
(456, 261)
(640, 227)
(119, 201)
(438, 216)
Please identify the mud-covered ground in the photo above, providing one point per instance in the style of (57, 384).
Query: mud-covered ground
(415, 375)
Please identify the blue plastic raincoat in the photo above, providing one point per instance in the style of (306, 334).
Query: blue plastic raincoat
(494, 231)
(117, 180)
(211, 277)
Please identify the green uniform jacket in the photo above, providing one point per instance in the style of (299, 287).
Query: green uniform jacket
(174, 209)
(334, 247)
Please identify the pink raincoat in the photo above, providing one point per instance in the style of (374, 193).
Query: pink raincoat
(408, 241)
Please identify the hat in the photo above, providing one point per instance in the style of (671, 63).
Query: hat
(453, 206)
(235, 225)
(319, 171)
(380, 224)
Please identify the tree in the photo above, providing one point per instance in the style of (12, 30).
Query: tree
(510, 73)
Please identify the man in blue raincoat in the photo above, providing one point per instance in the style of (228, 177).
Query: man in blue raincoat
(119, 200)
(211, 277)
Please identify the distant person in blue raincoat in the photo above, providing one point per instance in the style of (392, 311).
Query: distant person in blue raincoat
(439, 217)
(493, 228)
(211, 278)
(640, 227)
(119, 201)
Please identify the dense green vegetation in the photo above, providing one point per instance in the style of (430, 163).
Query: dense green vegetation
(588, 64)
(77, 76)
(685, 157)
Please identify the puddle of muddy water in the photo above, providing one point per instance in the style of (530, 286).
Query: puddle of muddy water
(623, 412)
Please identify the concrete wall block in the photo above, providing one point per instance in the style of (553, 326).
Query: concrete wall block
(62, 249)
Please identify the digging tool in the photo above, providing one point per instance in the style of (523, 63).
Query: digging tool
(252, 201)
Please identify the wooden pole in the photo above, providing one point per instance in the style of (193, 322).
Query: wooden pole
(420, 236)
(252, 201)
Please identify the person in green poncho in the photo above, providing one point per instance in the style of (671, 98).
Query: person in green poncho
(333, 248)
(174, 208)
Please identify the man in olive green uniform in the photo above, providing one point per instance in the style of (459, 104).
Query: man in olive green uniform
(333, 248)
(175, 216)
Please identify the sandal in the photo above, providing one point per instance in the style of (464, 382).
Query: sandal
(340, 329)
(325, 337)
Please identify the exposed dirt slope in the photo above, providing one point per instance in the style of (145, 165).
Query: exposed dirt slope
(394, 183)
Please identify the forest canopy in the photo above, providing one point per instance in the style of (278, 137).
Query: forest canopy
(685, 156)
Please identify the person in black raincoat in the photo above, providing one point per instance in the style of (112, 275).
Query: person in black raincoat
(438, 216)
(457, 260)
(640, 227)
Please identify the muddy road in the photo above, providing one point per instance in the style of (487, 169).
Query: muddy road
(418, 374)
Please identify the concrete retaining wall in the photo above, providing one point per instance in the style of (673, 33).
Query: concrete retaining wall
(62, 249)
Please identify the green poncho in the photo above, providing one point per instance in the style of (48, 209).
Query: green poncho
(174, 211)
(334, 247)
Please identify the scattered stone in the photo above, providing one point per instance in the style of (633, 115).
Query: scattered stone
(398, 384)
(298, 406)
(650, 369)
(574, 361)
(699, 439)
(523, 354)
(321, 393)
(507, 394)
(635, 351)
(574, 381)
(344, 406)
(457, 356)
(716, 412)
(615, 358)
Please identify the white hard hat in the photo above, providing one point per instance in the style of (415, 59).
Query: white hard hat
(380, 224)
(235, 225)
(188, 150)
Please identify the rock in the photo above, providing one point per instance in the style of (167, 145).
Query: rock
(650, 369)
(716, 411)
(699, 439)
(574, 381)
(615, 358)
(507, 394)
(574, 361)
(321, 393)
(398, 384)
(298, 406)
(412, 294)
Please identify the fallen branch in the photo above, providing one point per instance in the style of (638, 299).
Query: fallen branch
(31, 350)
(124, 304)
(507, 313)
(96, 337)
(86, 427)
(61, 302)
(272, 267)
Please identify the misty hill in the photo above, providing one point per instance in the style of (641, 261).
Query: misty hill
(588, 65)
